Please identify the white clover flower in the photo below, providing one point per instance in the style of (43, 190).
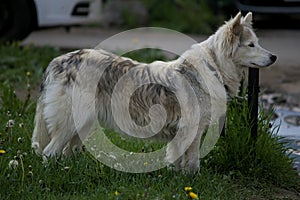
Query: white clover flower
(118, 166)
(30, 173)
(20, 140)
(13, 164)
(112, 156)
(10, 123)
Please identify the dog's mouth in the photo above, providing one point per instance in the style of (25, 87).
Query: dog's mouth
(260, 66)
(256, 65)
(272, 60)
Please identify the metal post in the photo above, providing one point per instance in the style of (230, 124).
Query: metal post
(253, 90)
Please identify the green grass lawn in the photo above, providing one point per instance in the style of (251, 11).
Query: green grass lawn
(237, 168)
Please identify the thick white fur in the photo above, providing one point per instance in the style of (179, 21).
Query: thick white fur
(220, 61)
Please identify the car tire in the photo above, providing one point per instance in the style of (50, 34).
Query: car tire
(15, 20)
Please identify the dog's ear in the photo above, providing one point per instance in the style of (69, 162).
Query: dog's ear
(231, 36)
(247, 20)
(236, 26)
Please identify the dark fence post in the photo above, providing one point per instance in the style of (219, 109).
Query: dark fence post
(253, 90)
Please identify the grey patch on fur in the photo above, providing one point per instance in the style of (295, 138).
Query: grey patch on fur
(143, 97)
(148, 95)
(65, 66)
(215, 72)
(42, 86)
(189, 72)
(115, 67)
(112, 73)
(72, 64)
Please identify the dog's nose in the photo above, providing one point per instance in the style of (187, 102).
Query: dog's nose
(273, 58)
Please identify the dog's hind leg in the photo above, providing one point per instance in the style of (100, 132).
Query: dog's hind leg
(62, 130)
(40, 136)
(67, 117)
(59, 119)
(183, 154)
(177, 147)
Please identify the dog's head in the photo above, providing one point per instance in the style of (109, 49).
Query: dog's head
(235, 46)
(240, 44)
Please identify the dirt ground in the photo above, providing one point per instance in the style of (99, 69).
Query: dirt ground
(284, 75)
(282, 79)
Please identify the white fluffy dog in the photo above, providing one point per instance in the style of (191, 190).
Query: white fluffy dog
(208, 67)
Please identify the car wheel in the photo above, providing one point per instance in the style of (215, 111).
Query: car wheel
(15, 20)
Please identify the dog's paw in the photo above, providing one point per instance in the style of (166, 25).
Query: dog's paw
(68, 150)
(192, 166)
(45, 160)
(36, 147)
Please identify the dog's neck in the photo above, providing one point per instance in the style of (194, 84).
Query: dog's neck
(210, 56)
(230, 72)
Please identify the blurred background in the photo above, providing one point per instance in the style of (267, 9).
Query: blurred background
(18, 18)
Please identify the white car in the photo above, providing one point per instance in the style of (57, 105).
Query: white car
(19, 17)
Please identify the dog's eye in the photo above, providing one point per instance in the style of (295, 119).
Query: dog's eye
(251, 44)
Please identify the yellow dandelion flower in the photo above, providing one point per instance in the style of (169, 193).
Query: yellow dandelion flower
(2, 151)
(117, 193)
(193, 195)
(28, 73)
(187, 189)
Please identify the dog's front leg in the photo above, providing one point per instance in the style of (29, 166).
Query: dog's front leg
(174, 155)
(191, 158)
(179, 145)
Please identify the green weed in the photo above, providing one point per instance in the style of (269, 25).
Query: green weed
(17, 62)
(183, 15)
(263, 159)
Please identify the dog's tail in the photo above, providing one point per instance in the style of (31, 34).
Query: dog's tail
(40, 136)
